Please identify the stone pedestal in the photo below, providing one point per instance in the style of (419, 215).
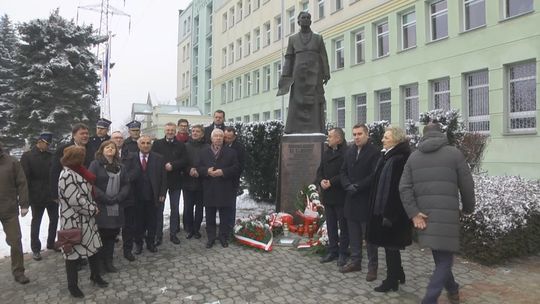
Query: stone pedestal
(299, 157)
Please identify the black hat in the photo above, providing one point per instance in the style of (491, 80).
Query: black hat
(103, 123)
(46, 137)
(133, 125)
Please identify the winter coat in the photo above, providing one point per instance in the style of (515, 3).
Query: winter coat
(194, 149)
(241, 155)
(358, 171)
(130, 145)
(130, 161)
(155, 169)
(104, 219)
(432, 178)
(385, 203)
(56, 166)
(219, 191)
(94, 143)
(78, 210)
(329, 169)
(37, 166)
(13, 186)
(175, 153)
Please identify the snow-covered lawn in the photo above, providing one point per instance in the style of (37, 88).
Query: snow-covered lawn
(244, 206)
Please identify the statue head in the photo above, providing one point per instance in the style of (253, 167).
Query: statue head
(304, 19)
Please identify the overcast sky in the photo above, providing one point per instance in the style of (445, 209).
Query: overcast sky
(145, 58)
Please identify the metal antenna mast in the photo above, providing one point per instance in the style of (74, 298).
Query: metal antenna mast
(105, 10)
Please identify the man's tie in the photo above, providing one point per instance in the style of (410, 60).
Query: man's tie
(144, 163)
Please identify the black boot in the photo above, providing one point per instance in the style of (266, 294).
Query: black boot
(393, 266)
(387, 285)
(401, 276)
(108, 258)
(95, 277)
(72, 278)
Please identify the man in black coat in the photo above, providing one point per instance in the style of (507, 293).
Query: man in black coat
(130, 144)
(102, 128)
(333, 197)
(132, 166)
(357, 174)
(176, 159)
(231, 141)
(218, 166)
(36, 164)
(79, 137)
(150, 192)
(219, 120)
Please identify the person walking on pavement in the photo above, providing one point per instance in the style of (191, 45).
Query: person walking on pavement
(78, 210)
(36, 164)
(356, 177)
(175, 158)
(333, 197)
(435, 176)
(13, 194)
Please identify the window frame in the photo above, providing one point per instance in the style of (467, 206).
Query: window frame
(434, 93)
(508, 104)
(360, 107)
(381, 103)
(464, 12)
(340, 110)
(437, 14)
(469, 102)
(382, 35)
(406, 26)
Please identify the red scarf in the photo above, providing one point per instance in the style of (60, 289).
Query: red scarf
(87, 175)
(183, 137)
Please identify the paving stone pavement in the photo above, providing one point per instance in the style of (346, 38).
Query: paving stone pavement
(190, 273)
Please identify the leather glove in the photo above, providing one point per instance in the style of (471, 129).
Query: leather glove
(386, 222)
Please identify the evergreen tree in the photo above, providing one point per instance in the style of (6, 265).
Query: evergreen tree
(8, 50)
(58, 83)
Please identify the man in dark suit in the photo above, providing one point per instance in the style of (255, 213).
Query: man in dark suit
(130, 144)
(218, 167)
(231, 141)
(333, 197)
(36, 164)
(102, 128)
(130, 161)
(219, 120)
(356, 177)
(150, 192)
(176, 159)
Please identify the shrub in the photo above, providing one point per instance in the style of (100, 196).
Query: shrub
(506, 220)
(376, 132)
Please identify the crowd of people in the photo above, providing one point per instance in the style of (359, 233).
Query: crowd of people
(104, 185)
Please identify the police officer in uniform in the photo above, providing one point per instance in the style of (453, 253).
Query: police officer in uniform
(130, 144)
(102, 130)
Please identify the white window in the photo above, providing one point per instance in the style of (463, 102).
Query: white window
(266, 78)
(231, 17)
(267, 33)
(238, 119)
(231, 91)
(239, 49)
(223, 93)
(474, 13)
(247, 85)
(408, 30)
(438, 19)
(225, 22)
(183, 80)
(517, 7)
(292, 20)
(385, 105)
(339, 112)
(266, 115)
(209, 44)
(277, 22)
(277, 73)
(257, 39)
(239, 11)
(256, 81)
(209, 85)
(256, 4)
(248, 7)
(277, 114)
(256, 117)
(359, 47)
(188, 51)
(440, 92)
(246, 118)
(231, 53)
(383, 47)
(339, 54)
(320, 8)
(238, 93)
(477, 87)
(338, 4)
(304, 5)
(224, 57)
(247, 39)
(195, 89)
(522, 97)
(360, 105)
(410, 101)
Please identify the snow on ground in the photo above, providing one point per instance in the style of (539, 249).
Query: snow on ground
(244, 205)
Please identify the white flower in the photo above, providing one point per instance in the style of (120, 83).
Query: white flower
(314, 196)
(312, 187)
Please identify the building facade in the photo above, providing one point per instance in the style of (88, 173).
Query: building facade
(183, 62)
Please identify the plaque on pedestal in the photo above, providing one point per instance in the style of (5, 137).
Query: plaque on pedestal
(299, 157)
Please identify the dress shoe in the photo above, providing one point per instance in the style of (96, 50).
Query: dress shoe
(351, 267)
(401, 276)
(209, 244)
(371, 275)
(328, 258)
(129, 256)
(224, 243)
(158, 242)
(36, 256)
(98, 280)
(387, 285)
(175, 240)
(189, 235)
(342, 260)
(51, 247)
(453, 298)
(152, 248)
(197, 235)
(75, 291)
(138, 248)
(22, 279)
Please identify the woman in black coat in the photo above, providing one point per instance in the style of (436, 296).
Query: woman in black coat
(389, 226)
(111, 190)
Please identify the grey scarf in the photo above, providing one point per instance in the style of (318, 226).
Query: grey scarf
(113, 187)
